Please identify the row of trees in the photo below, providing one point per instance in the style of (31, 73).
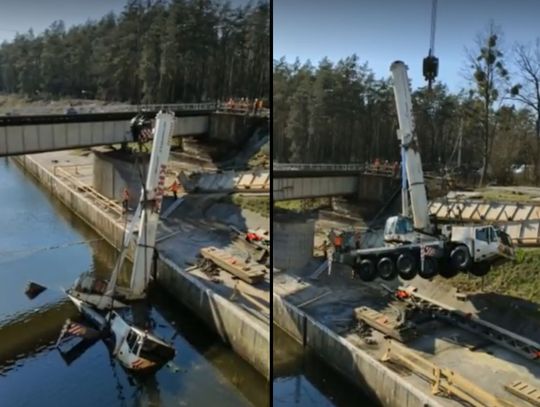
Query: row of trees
(155, 51)
(341, 113)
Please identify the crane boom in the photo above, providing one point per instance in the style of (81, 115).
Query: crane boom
(409, 144)
(151, 203)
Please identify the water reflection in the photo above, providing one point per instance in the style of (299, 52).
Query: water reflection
(34, 373)
(302, 379)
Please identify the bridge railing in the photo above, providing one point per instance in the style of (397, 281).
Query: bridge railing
(207, 106)
(382, 169)
(319, 167)
(243, 109)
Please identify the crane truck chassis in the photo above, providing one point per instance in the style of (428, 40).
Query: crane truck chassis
(417, 246)
(446, 257)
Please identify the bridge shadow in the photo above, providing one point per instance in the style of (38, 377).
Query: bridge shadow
(296, 365)
(512, 313)
(229, 151)
(208, 343)
(213, 219)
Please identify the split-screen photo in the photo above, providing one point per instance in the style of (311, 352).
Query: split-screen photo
(269, 203)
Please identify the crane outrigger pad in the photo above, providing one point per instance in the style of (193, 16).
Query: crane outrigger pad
(386, 324)
(247, 271)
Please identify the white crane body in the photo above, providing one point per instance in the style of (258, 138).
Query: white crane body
(415, 245)
(136, 349)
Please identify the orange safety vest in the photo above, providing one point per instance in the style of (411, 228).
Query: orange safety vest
(338, 241)
(175, 186)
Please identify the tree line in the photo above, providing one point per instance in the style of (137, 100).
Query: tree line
(341, 113)
(154, 51)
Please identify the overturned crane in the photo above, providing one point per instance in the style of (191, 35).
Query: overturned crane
(136, 348)
(414, 244)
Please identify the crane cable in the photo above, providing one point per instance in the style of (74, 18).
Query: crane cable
(33, 250)
(433, 26)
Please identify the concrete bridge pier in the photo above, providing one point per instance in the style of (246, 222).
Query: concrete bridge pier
(114, 170)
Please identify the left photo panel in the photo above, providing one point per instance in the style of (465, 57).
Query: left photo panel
(135, 193)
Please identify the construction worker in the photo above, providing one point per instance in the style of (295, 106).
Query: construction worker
(328, 254)
(125, 200)
(395, 169)
(175, 187)
(255, 105)
(338, 243)
(377, 164)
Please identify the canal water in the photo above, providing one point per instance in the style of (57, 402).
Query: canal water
(302, 379)
(37, 236)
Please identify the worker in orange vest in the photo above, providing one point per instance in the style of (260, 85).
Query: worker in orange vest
(377, 164)
(125, 200)
(175, 187)
(338, 242)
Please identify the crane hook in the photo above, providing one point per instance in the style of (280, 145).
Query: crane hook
(430, 66)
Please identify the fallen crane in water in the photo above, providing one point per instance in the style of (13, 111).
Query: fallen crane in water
(103, 303)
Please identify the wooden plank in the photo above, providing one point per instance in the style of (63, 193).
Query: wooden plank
(524, 391)
(249, 272)
(385, 324)
(443, 380)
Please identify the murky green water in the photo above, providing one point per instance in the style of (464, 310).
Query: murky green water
(302, 379)
(32, 371)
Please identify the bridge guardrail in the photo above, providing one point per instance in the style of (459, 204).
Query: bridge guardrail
(181, 106)
(363, 168)
(245, 109)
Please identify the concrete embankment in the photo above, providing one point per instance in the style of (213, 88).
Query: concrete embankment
(358, 366)
(247, 336)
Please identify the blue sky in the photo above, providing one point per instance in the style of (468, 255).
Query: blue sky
(21, 15)
(381, 31)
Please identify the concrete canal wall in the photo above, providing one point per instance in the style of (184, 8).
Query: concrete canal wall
(247, 336)
(360, 368)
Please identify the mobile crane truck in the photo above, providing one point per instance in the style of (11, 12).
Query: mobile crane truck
(416, 245)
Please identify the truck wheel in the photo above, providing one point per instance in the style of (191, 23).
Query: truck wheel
(460, 258)
(386, 269)
(366, 270)
(430, 268)
(406, 266)
(480, 269)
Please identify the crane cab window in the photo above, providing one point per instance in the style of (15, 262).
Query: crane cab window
(398, 226)
(482, 234)
(492, 235)
(133, 342)
(404, 226)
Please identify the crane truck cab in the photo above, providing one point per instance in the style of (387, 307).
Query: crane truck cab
(475, 248)
(468, 248)
(400, 230)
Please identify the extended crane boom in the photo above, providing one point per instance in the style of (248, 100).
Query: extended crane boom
(409, 143)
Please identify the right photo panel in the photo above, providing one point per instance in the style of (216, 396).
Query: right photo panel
(406, 203)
